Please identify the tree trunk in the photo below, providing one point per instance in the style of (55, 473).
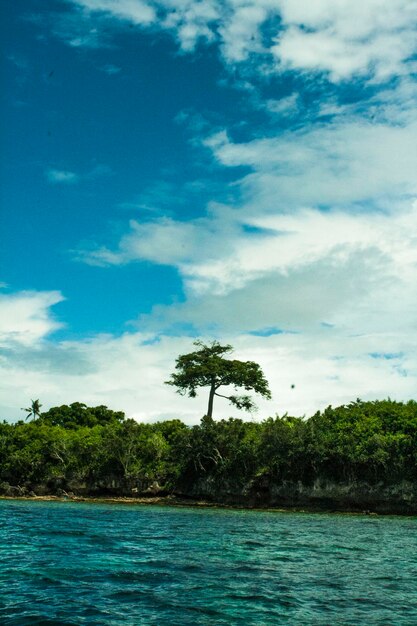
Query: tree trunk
(210, 402)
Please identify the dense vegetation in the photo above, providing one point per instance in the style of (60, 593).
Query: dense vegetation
(96, 450)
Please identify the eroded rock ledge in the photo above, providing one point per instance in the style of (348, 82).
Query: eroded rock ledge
(321, 495)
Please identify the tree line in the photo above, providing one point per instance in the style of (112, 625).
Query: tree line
(99, 448)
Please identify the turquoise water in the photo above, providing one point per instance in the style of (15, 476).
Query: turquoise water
(71, 563)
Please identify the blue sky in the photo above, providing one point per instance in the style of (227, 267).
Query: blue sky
(244, 171)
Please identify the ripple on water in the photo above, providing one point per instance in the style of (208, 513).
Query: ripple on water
(108, 565)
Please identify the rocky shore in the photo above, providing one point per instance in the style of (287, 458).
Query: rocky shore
(356, 497)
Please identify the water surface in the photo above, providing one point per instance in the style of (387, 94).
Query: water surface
(66, 563)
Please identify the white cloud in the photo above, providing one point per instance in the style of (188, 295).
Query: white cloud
(305, 239)
(190, 21)
(288, 106)
(356, 272)
(25, 317)
(362, 172)
(134, 11)
(342, 38)
(240, 31)
(56, 176)
(61, 176)
(347, 162)
(347, 38)
(165, 241)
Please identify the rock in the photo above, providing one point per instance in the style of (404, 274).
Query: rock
(4, 488)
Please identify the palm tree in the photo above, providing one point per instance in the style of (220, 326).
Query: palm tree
(34, 410)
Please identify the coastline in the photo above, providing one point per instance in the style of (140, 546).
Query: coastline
(176, 501)
(147, 500)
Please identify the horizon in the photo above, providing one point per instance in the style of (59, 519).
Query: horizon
(240, 172)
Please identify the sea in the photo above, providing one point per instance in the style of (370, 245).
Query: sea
(71, 563)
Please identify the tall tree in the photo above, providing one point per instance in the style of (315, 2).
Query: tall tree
(207, 367)
(34, 410)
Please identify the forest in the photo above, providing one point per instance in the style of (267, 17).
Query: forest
(84, 450)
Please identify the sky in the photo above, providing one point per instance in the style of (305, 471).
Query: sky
(235, 170)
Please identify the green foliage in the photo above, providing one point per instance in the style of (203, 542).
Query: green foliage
(371, 441)
(78, 414)
(207, 367)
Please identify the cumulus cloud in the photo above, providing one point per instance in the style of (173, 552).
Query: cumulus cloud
(324, 191)
(190, 21)
(343, 163)
(165, 241)
(300, 241)
(346, 38)
(25, 317)
(354, 272)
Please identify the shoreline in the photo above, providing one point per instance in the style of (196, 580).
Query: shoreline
(150, 500)
(179, 502)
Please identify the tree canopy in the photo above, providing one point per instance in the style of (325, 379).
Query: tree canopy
(78, 414)
(372, 442)
(208, 367)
